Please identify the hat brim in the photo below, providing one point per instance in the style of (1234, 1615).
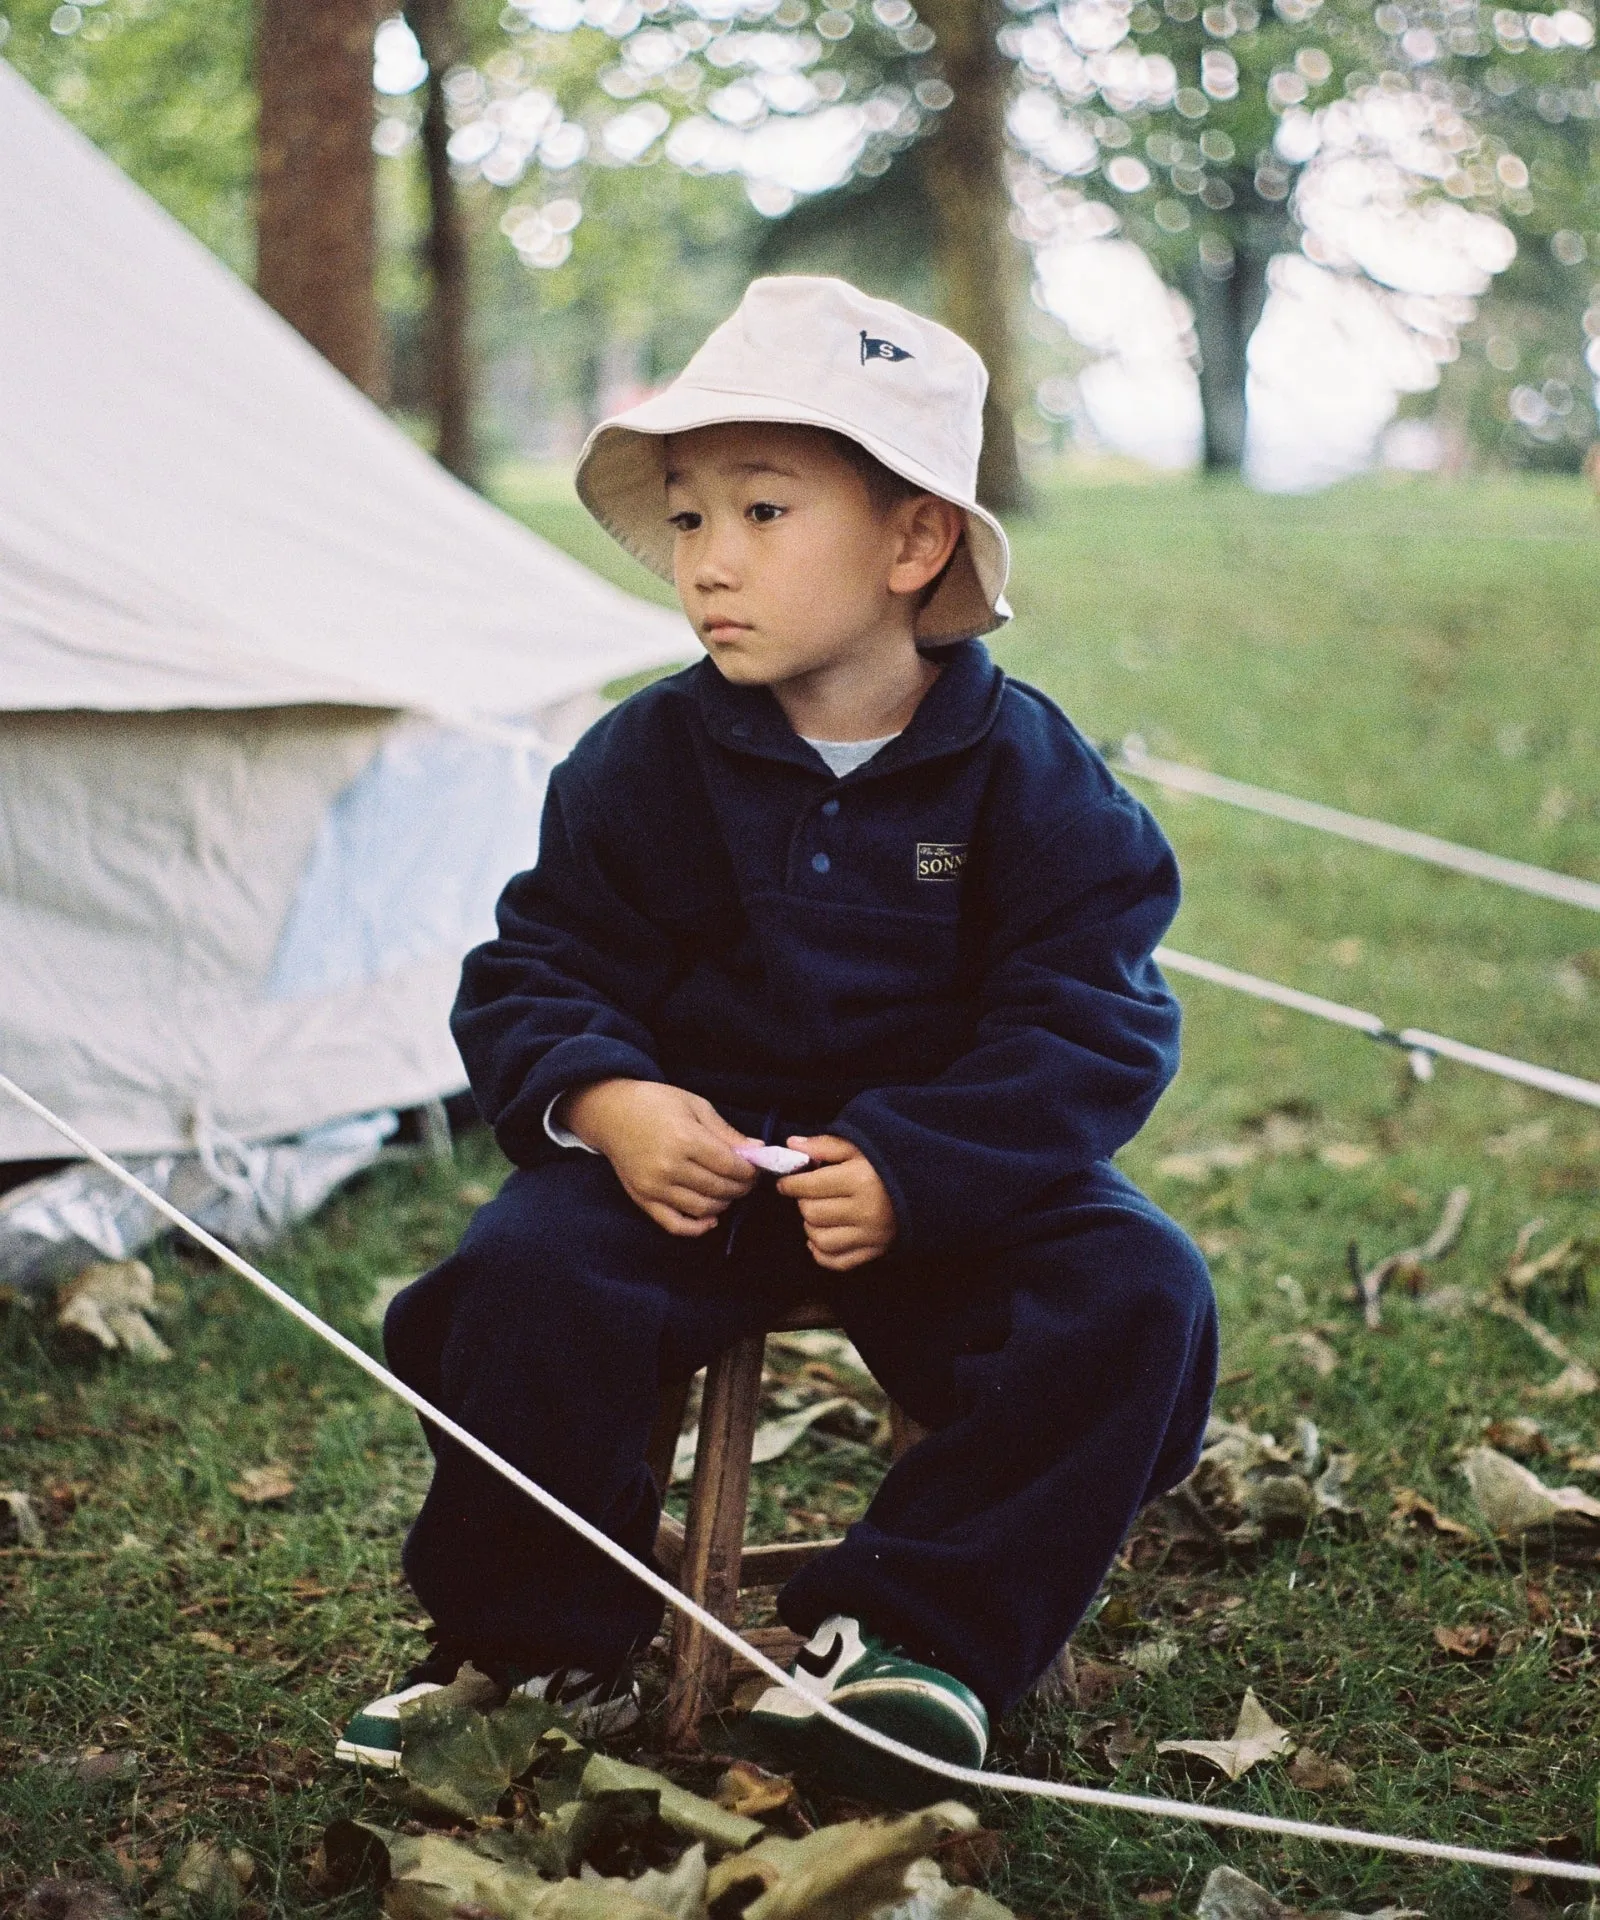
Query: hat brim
(621, 479)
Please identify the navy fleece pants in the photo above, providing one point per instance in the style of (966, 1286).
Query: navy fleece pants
(1065, 1374)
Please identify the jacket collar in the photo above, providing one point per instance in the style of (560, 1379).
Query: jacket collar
(955, 713)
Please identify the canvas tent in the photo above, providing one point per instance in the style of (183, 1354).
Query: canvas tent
(277, 695)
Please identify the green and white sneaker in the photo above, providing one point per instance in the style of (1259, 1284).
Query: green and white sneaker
(883, 1688)
(599, 1707)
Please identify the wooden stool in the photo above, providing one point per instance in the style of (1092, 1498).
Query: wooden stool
(708, 1557)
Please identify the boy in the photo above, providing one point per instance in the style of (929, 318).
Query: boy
(840, 885)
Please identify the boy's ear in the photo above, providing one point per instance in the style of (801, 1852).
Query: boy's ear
(929, 529)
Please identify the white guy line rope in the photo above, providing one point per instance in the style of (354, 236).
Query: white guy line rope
(973, 1777)
(1131, 757)
(1414, 1040)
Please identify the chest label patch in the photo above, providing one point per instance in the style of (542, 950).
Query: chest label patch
(941, 859)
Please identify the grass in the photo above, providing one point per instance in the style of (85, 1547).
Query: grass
(1422, 652)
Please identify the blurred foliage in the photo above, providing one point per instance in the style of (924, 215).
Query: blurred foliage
(162, 86)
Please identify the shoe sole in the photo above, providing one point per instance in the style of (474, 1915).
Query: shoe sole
(351, 1753)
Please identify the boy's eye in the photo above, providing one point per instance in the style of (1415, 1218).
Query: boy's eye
(685, 522)
(764, 512)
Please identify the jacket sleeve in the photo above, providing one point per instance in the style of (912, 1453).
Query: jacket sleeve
(559, 998)
(1076, 1037)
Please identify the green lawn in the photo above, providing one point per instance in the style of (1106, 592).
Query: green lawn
(1426, 653)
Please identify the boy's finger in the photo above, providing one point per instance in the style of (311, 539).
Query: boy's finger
(710, 1150)
(839, 1212)
(703, 1179)
(819, 1183)
(678, 1223)
(824, 1148)
(843, 1262)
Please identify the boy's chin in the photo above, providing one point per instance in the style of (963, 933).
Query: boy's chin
(742, 671)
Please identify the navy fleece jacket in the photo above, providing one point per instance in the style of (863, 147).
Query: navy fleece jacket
(944, 957)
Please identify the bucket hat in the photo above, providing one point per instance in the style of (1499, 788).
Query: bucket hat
(806, 351)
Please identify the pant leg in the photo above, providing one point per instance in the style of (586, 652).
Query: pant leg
(548, 1333)
(1067, 1377)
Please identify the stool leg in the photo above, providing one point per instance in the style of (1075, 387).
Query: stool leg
(714, 1537)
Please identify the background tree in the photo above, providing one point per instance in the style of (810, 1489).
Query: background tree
(315, 212)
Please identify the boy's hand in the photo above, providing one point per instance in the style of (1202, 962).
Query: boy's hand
(849, 1217)
(672, 1151)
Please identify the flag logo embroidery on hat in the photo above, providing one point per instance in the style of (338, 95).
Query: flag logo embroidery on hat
(881, 349)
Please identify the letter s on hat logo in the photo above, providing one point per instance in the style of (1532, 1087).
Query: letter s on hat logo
(881, 349)
(940, 859)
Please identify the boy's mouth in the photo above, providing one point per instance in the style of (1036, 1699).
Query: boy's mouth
(726, 629)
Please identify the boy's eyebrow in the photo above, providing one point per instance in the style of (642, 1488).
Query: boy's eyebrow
(675, 475)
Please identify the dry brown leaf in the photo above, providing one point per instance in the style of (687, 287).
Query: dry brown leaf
(1314, 1772)
(25, 1523)
(71, 1900)
(748, 1789)
(1522, 1438)
(1344, 1155)
(212, 1642)
(108, 1301)
(1410, 1509)
(1513, 1500)
(1318, 1355)
(1466, 1643)
(260, 1486)
(1575, 1381)
(1256, 1737)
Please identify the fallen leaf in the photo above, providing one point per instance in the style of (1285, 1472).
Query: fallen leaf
(1344, 1155)
(1205, 1161)
(773, 1438)
(458, 1759)
(1156, 1655)
(28, 1530)
(1314, 1772)
(1123, 1741)
(1312, 1349)
(933, 1898)
(1412, 1260)
(71, 1900)
(750, 1790)
(1504, 1146)
(213, 1642)
(1466, 1643)
(1410, 1509)
(1522, 1438)
(686, 1813)
(384, 1291)
(1256, 1737)
(1513, 1499)
(679, 1890)
(845, 1872)
(474, 1194)
(212, 1876)
(1575, 1381)
(261, 1486)
(108, 1301)
(1230, 1896)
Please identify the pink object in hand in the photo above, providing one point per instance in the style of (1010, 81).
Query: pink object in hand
(779, 1160)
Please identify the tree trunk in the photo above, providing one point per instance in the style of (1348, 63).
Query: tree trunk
(446, 347)
(962, 163)
(1227, 309)
(315, 180)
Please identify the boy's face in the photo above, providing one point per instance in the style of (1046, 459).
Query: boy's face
(783, 561)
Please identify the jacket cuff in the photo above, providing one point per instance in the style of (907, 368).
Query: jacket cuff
(520, 1128)
(563, 1136)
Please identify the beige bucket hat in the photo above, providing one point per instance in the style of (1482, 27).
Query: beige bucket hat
(813, 352)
